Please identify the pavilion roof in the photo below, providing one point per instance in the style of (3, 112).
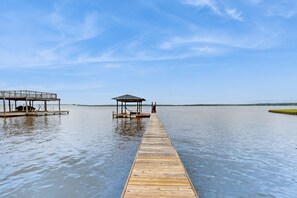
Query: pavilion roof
(128, 98)
(27, 95)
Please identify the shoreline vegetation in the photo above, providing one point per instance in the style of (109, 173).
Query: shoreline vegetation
(284, 111)
(202, 105)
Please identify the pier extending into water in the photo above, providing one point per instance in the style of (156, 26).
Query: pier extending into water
(157, 170)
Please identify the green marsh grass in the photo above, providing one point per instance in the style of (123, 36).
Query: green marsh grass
(284, 111)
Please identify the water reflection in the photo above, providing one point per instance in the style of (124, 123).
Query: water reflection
(129, 127)
(28, 124)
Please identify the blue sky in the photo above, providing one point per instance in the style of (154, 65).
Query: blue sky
(169, 51)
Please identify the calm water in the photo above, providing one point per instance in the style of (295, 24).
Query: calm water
(228, 152)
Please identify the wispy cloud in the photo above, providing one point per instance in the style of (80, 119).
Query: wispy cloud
(282, 8)
(234, 14)
(204, 3)
(206, 49)
(257, 40)
(48, 39)
(70, 32)
(68, 35)
(218, 9)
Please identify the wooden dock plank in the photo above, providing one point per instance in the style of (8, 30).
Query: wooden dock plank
(157, 170)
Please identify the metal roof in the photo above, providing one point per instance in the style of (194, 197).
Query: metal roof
(128, 98)
(27, 94)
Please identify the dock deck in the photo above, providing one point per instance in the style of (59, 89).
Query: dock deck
(35, 113)
(126, 115)
(157, 170)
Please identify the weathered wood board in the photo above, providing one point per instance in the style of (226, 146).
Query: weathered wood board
(157, 170)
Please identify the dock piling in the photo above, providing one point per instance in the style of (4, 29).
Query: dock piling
(4, 108)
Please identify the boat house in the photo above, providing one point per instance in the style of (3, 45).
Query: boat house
(123, 112)
(28, 98)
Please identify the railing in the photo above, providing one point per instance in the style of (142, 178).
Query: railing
(27, 94)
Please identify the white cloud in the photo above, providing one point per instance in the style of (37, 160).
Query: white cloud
(281, 8)
(205, 50)
(204, 3)
(234, 14)
(260, 39)
(70, 32)
(220, 11)
(49, 39)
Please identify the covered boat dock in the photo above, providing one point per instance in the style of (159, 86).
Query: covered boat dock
(28, 97)
(123, 112)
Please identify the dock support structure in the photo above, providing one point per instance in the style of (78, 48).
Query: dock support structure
(59, 106)
(157, 170)
(9, 106)
(4, 108)
(117, 107)
(26, 106)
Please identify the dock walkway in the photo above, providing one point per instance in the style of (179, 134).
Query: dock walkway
(157, 170)
(32, 113)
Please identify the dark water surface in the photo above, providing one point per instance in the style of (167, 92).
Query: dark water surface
(227, 151)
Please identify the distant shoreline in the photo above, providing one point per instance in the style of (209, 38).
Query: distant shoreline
(197, 105)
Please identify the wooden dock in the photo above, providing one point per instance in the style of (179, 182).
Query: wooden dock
(34, 113)
(28, 97)
(157, 170)
(131, 115)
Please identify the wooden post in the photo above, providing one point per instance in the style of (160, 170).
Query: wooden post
(125, 107)
(4, 109)
(15, 104)
(9, 106)
(59, 106)
(137, 107)
(26, 106)
(152, 107)
(45, 106)
(117, 108)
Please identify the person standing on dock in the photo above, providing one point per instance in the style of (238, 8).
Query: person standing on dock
(154, 107)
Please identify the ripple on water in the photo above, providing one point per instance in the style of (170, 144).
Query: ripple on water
(227, 151)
